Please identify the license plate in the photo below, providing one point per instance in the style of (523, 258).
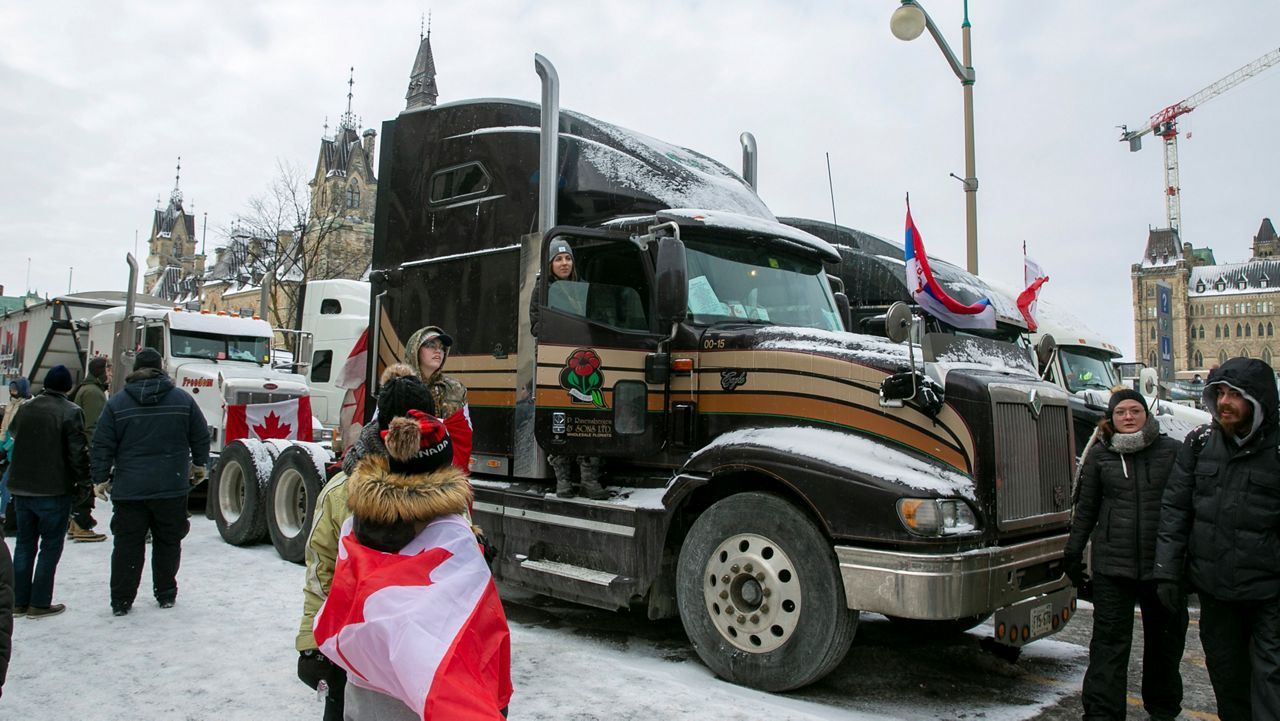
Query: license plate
(1041, 620)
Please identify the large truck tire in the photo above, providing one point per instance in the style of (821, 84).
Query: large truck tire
(291, 494)
(238, 492)
(759, 592)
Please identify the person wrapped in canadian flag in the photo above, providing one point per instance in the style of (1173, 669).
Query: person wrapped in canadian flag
(412, 614)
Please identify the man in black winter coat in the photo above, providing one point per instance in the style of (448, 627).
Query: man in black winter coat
(151, 433)
(6, 610)
(1220, 536)
(49, 461)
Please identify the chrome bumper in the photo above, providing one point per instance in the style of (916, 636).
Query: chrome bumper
(945, 586)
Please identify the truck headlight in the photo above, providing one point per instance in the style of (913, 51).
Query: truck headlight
(936, 516)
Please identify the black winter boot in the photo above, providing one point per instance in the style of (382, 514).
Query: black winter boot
(563, 467)
(589, 468)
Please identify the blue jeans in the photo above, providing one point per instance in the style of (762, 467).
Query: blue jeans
(4, 492)
(42, 520)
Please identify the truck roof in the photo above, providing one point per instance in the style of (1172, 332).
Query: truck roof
(193, 321)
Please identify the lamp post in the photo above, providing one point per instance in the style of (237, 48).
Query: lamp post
(907, 23)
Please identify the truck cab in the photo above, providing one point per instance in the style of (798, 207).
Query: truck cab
(774, 473)
(219, 359)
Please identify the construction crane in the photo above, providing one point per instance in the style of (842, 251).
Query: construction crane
(1165, 124)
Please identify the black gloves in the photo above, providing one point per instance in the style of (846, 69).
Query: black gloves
(314, 667)
(1172, 596)
(1073, 566)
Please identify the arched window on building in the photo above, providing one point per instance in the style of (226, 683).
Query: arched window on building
(1248, 330)
(1259, 330)
(1201, 332)
(1153, 332)
(1266, 356)
(1217, 331)
(1199, 360)
(1151, 359)
(1244, 352)
(353, 195)
(1269, 329)
(1222, 357)
(1238, 330)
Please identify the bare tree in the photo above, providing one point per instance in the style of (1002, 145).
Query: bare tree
(285, 233)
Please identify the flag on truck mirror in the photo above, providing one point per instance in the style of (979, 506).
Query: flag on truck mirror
(930, 296)
(287, 420)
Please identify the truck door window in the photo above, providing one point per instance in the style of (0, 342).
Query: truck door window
(612, 286)
(330, 306)
(154, 338)
(321, 365)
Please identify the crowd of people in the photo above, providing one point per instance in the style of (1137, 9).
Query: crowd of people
(1166, 519)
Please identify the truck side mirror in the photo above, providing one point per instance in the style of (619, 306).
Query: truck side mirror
(1044, 350)
(673, 282)
(897, 322)
(843, 308)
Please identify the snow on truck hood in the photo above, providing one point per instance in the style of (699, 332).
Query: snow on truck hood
(855, 452)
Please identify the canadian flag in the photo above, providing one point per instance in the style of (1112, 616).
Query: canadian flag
(352, 378)
(1034, 277)
(289, 420)
(423, 625)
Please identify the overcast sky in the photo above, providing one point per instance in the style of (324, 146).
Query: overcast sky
(98, 100)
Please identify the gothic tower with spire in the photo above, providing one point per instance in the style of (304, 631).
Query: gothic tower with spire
(422, 80)
(172, 259)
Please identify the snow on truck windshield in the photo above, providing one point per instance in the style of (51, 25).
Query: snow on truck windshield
(755, 283)
(215, 346)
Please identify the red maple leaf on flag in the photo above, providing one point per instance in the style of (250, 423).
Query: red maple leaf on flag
(273, 428)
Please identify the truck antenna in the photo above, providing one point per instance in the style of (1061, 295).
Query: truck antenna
(831, 188)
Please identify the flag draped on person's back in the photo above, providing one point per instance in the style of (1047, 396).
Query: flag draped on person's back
(423, 625)
(930, 296)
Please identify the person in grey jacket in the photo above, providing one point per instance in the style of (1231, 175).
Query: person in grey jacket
(1220, 537)
(154, 439)
(1121, 484)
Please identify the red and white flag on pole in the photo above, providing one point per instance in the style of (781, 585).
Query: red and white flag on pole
(289, 420)
(1033, 276)
(424, 625)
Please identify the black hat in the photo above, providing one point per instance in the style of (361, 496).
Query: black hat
(556, 248)
(98, 367)
(148, 358)
(400, 395)
(59, 379)
(417, 443)
(1125, 394)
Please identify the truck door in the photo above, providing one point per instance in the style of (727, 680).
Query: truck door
(595, 328)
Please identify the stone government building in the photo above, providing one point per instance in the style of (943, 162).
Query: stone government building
(1219, 310)
(337, 243)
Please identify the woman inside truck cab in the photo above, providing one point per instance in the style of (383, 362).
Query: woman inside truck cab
(569, 296)
(426, 352)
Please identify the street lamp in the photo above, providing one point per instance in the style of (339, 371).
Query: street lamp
(907, 23)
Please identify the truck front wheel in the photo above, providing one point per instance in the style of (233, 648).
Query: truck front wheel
(760, 594)
(237, 490)
(295, 485)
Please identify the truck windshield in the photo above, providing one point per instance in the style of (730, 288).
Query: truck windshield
(194, 344)
(1087, 369)
(757, 283)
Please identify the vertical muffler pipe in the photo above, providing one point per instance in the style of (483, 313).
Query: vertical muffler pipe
(549, 143)
(133, 284)
(749, 159)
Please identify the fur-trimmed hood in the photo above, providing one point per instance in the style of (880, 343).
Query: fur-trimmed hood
(376, 494)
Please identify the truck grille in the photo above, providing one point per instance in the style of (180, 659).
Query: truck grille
(244, 398)
(1033, 463)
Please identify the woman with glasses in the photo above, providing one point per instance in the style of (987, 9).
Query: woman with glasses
(425, 352)
(1120, 488)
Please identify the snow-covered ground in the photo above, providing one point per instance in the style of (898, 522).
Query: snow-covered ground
(226, 652)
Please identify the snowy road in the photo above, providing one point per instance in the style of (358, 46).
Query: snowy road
(226, 652)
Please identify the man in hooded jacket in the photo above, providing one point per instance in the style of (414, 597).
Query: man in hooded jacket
(1219, 536)
(157, 440)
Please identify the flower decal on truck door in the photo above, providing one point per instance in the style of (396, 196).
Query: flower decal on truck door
(581, 376)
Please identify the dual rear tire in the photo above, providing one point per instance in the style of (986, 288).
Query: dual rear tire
(261, 491)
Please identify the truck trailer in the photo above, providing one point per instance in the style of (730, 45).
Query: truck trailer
(775, 474)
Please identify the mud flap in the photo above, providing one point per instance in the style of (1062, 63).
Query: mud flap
(1034, 618)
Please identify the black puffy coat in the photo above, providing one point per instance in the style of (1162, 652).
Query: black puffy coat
(151, 433)
(1220, 516)
(6, 609)
(50, 457)
(1119, 505)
